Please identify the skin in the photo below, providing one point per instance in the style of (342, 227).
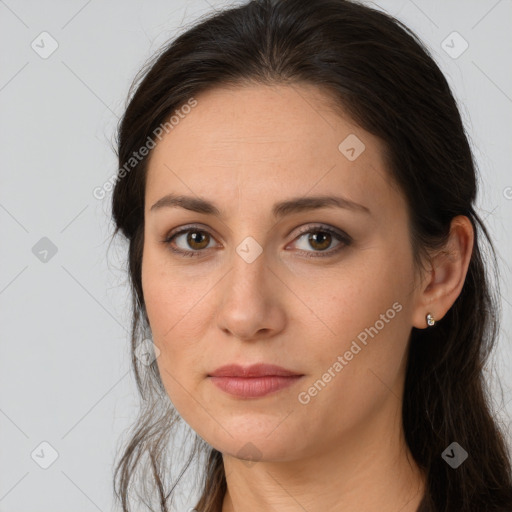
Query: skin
(245, 149)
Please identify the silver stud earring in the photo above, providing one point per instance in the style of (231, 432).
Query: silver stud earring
(430, 320)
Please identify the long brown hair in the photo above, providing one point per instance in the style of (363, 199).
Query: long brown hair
(378, 72)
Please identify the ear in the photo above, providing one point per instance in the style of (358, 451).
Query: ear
(442, 283)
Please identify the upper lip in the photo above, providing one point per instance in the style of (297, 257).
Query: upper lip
(255, 370)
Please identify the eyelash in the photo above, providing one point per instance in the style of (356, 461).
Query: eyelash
(340, 236)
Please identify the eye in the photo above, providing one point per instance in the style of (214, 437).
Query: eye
(320, 238)
(195, 238)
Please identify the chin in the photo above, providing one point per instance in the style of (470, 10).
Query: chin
(257, 446)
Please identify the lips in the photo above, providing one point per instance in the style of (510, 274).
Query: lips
(254, 381)
(255, 370)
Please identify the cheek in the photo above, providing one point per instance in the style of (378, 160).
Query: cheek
(172, 332)
(169, 296)
(367, 313)
(357, 297)
(171, 317)
(359, 367)
(177, 317)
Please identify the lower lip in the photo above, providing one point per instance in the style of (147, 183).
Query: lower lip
(254, 387)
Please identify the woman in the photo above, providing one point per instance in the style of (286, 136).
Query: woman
(297, 191)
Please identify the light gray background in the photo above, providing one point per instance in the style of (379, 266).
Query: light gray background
(64, 365)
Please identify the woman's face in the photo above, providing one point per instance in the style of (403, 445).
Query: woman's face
(262, 286)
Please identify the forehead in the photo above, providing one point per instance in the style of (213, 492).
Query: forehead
(260, 141)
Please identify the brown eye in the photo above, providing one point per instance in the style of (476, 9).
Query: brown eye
(320, 241)
(191, 238)
(196, 239)
(320, 238)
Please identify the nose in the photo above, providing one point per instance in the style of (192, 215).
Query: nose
(251, 301)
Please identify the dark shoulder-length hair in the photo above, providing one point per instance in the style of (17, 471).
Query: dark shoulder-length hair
(380, 74)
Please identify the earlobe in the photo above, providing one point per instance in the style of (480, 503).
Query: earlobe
(446, 277)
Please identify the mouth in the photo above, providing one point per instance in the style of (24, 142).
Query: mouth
(253, 381)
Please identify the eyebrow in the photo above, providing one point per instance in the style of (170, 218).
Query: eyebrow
(281, 209)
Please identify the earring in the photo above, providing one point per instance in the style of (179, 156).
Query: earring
(430, 320)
